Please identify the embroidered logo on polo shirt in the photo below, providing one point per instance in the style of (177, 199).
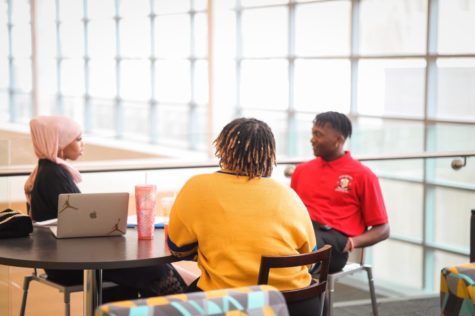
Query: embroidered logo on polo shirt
(344, 183)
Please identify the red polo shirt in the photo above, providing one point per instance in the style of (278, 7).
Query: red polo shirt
(342, 193)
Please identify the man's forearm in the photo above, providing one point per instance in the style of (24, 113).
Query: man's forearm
(370, 237)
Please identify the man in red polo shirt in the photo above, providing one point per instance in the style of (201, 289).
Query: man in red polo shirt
(342, 195)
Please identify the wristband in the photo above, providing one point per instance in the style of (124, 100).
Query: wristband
(352, 244)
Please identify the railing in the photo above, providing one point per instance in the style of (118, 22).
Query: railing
(161, 164)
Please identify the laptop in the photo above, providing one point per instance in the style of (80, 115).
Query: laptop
(91, 215)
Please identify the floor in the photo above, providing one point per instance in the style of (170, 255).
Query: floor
(352, 301)
(349, 301)
(424, 306)
(46, 300)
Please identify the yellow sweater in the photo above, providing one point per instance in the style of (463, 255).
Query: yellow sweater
(230, 222)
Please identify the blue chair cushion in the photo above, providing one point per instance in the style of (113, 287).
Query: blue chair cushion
(252, 300)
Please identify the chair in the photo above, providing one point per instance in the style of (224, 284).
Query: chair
(457, 290)
(66, 289)
(248, 300)
(315, 289)
(351, 267)
(457, 283)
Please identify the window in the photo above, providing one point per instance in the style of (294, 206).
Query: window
(143, 64)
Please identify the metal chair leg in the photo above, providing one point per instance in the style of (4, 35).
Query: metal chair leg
(26, 285)
(67, 305)
(328, 308)
(372, 291)
(322, 304)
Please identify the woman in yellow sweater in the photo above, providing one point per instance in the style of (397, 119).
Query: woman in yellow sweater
(228, 219)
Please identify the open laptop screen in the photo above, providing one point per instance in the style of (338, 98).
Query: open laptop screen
(92, 214)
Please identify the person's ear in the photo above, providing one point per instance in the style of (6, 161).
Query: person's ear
(340, 140)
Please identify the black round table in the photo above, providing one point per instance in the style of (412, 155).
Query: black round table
(42, 250)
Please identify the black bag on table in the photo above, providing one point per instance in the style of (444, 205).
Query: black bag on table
(14, 224)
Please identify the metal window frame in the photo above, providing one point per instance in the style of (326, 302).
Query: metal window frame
(153, 135)
(430, 89)
(429, 118)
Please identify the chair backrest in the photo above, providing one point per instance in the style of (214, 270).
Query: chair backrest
(316, 288)
(249, 300)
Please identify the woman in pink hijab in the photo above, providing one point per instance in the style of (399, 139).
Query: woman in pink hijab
(56, 139)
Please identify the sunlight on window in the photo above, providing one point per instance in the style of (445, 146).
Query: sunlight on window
(391, 87)
(173, 81)
(71, 39)
(70, 11)
(22, 78)
(264, 32)
(171, 120)
(48, 88)
(409, 271)
(455, 88)
(251, 3)
(21, 40)
(409, 207)
(200, 29)
(323, 28)
(136, 124)
(322, 85)
(201, 82)
(101, 10)
(102, 39)
(135, 9)
(102, 78)
(72, 77)
(101, 109)
(173, 36)
(3, 49)
(456, 26)
(374, 136)
(264, 84)
(393, 26)
(175, 6)
(135, 38)
(135, 80)
(73, 107)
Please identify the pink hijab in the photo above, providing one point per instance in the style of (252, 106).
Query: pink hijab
(49, 135)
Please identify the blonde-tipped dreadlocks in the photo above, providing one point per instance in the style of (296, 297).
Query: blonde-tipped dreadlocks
(246, 146)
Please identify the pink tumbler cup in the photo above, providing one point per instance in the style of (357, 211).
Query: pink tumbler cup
(145, 199)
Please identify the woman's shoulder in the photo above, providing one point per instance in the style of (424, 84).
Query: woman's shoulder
(48, 168)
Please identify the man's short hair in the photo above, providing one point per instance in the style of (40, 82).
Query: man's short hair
(246, 146)
(338, 121)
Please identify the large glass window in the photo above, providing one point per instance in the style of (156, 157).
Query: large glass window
(4, 52)
(117, 59)
(391, 87)
(322, 85)
(264, 84)
(323, 28)
(455, 88)
(403, 71)
(16, 58)
(264, 39)
(393, 27)
(456, 26)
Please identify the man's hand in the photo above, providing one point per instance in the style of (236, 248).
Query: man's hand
(348, 245)
(370, 237)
